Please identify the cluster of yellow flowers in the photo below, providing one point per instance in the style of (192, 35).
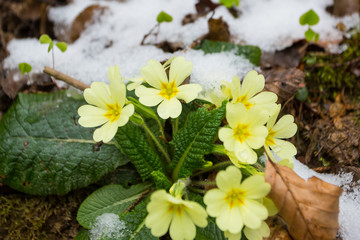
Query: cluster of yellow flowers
(251, 116)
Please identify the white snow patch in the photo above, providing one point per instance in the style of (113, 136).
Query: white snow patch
(107, 225)
(349, 200)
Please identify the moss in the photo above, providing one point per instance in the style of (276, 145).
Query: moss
(330, 73)
(32, 217)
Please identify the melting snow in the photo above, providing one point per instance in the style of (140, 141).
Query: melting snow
(107, 225)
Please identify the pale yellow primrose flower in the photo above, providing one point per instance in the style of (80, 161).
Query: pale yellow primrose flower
(284, 128)
(245, 92)
(107, 106)
(236, 204)
(167, 92)
(166, 210)
(246, 131)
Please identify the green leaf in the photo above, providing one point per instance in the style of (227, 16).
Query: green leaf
(45, 39)
(310, 17)
(43, 150)
(24, 68)
(161, 181)
(194, 140)
(125, 176)
(211, 231)
(302, 94)
(229, 3)
(316, 38)
(131, 141)
(109, 199)
(62, 46)
(135, 223)
(309, 34)
(252, 53)
(83, 234)
(163, 17)
(51, 45)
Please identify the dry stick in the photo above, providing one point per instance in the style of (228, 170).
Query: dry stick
(69, 80)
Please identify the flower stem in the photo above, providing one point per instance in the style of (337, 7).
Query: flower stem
(197, 190)
(156, 140)
(175, 125)
(203, 183)
(218, 165)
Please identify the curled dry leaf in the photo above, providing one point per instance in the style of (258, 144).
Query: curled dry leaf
(309, 208)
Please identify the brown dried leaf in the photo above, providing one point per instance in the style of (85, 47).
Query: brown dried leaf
(218, 30)
(345, 7)
(84, 19)
(284, 81)
(310, 209)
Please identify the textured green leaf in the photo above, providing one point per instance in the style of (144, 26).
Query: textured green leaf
(135, 223)
(252, 53)
(44, 151)
(194, 140)
(24, 68)
(132, 142)
(163, 17)
(160, 180)
(125, 176)
(310, 17)
(83, 234)
(211, 231)
(109, 199)
(62, 46)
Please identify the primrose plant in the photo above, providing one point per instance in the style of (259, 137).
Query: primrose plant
(62, 46)
(197, 157)
(310, 18)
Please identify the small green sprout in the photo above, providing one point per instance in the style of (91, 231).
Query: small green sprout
(302, 94)
(229, 3)
(24, 68)
(163, 17)
(310, 18)
(45, 39)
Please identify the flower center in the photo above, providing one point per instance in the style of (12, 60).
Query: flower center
(168, 90)
(234, 197)
(241, 132)
(270, 138)
(113, 112)
(176, 208)
(243, 100)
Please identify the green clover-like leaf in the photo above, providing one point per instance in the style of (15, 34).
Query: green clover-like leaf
(229, 3)
(163, 17)
(44, 39)
(310, 34)
(24, 68)
(310, 17)
(62, 46)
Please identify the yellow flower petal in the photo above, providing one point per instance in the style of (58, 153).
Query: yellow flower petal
(180, 69)
(257, 234)
(284, 149)
(126, 113)
(226, 135)
(235, 114)
(257, 138)
(231, 236)
(101, 90)
(105, 133)
(154, 73)
(285, 127)
(255, 187)
(252, 84)
(188, 92)
(148, 96)
(273, 117)
(253, 213)
(169, 108)
(197, 213)
(182, 227)
(228, 179)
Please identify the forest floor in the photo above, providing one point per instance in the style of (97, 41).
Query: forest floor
(320, 89)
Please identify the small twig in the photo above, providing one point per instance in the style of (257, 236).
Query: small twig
(337, 144)
(137, 200)
(149, 33)
(65, 78)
